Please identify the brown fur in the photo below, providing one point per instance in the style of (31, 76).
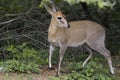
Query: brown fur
(80, 32)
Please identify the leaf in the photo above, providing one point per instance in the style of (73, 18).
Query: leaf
(71, 2)
(101, 4)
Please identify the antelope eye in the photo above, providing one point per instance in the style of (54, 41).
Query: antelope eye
(59, 18)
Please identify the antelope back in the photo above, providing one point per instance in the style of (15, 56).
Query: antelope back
(84, 32)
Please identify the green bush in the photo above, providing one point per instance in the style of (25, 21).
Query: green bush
(20, 66)
(94, 70)
(23, 59)
(23, 52)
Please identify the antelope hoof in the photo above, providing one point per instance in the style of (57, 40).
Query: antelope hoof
(112, 72)
(57, 75)
(51, 68)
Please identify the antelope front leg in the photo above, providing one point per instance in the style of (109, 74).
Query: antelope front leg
(61, 54)
(51, 49)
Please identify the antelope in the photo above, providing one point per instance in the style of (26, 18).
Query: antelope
(63, 34)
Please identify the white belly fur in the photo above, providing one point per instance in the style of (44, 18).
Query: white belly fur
(75, 44)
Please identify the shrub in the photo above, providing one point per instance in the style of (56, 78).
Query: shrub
(23, 59)
(20, 66)
(94, 70)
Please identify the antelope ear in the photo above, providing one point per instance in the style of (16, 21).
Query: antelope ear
(51, 11)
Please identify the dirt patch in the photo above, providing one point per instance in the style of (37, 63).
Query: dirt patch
(45, 73)
(1, 77)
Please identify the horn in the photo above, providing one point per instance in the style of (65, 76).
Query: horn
(55, 8)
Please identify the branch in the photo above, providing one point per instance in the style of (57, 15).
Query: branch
(11, 37)
(36, 41)
(15, 14)
(19, 14)
(6, 22)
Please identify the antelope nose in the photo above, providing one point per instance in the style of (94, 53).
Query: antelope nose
(68, 25)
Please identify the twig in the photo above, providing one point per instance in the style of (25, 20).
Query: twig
(19, 14)
(11, 37)
(6, 22)
(36, 41)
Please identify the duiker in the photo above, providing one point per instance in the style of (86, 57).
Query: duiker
(65, 34)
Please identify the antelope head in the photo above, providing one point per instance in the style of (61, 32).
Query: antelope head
(58, 17)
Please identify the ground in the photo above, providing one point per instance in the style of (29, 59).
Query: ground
(45, 73)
